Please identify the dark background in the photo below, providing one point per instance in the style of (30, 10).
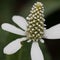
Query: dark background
(8, 8)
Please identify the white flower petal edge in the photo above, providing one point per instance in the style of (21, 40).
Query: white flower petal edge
(20, 21)
(14, 46)
(41, 40)
(53, 32)
(36, 53)
(11, 28)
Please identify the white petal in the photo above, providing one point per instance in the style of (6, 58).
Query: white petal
(12, 29)
(36, 53)
(53, 32)
(14, 46)
(29, 41)
(20, 21)
(41, 40)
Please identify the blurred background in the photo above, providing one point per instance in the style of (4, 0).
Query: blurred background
(9, 8)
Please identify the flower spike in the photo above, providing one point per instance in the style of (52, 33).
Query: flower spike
(36, 20)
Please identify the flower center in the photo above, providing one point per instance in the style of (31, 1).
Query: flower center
(35, 29)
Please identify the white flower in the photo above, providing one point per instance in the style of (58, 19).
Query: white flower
(14, 46)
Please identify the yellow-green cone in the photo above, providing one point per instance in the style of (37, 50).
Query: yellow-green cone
(35, 29)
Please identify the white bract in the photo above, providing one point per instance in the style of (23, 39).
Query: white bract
(14, 46)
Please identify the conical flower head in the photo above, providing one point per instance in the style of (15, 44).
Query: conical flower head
(35, 29)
